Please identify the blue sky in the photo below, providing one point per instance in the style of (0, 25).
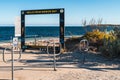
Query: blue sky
(75, 11)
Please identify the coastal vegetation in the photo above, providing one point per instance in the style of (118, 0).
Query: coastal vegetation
(96, 38)
(111, 48)
(107, 43)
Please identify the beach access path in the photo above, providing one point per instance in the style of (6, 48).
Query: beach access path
(36, 65)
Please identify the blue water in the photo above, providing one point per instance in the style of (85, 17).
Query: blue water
(6, 32)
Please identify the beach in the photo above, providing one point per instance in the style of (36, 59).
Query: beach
(60, 40)
(38, 65)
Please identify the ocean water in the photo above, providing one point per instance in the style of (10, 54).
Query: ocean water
(7, 32)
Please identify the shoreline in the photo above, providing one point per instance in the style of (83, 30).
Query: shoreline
(70, 36)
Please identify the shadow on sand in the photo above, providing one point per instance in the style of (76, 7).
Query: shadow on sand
(74, 60)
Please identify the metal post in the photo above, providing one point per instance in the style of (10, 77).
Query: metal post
(48, 49)
(14, 44)
(10, 40)
(62, 30)
(23, 31)
(12, 65)
(54, 56)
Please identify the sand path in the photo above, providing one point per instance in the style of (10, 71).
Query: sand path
(34, 66)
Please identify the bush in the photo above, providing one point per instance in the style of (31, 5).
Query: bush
(96, 37)
(111, 48)
(116, 32)
(107, 43)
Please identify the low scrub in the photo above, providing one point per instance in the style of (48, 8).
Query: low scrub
(96, 37)
(111, 49)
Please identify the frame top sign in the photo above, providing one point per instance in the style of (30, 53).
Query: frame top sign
(43, 11)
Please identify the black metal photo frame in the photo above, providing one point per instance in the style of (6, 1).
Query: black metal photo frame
(60, 11)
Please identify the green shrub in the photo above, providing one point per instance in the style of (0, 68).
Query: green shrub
(96, 37)
(110, 48)
(116, 32)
